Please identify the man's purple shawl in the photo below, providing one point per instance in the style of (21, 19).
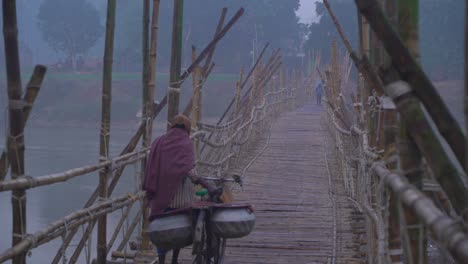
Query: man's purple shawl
(170, 160)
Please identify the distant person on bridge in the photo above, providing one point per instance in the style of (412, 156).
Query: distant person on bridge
(319, 92)
(170, 174)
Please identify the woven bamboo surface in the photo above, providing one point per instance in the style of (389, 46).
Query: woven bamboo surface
(288, 185)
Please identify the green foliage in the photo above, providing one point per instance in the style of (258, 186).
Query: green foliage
(69, 26)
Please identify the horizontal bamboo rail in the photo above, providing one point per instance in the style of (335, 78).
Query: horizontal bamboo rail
(445, 229)
(138, 134)
(70, 221)
(454, 183)
(32, 182)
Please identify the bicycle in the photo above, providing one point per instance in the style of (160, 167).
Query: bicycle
(208, 248)
(202, 224)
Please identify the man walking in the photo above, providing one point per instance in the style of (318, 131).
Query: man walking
(319, 92)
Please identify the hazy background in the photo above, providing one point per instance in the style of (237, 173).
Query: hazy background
(68, 37)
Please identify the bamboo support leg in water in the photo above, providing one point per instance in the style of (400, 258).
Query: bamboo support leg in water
(16, 122)
(197, 104)
(136, 137)
(176, 59)
(105, 127)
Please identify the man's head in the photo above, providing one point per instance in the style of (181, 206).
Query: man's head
(181, 121)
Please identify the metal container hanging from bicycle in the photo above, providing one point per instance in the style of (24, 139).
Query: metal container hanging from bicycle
(207, 224)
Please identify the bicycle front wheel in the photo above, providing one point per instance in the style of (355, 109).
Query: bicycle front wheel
(220, 251)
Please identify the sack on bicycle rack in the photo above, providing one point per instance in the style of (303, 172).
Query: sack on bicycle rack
(232, 221)
(171, 230)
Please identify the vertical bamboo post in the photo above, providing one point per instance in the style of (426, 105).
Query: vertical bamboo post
(364, 48)
(197, 83)
(410, 157)
(368, 49)
(335, 70)
(148, 78)
(15, 143)
(238, 92)
(105, 126)
(176, 60)
(390, 132)
(466, 76)
(389, 135)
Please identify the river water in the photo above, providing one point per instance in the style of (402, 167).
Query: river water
(55, 149)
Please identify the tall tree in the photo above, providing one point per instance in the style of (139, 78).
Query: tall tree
(322, 33)
(69, 26)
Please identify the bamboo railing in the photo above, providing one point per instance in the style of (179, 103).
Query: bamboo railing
(225, 143)
(236, 136)
(373, 182)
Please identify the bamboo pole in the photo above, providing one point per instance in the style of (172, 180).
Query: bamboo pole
(118, 254)
(129, 231)
(211, 53)
(146, 99)
(238, 93)
(71, 221)
(105, 126)
(15, 143)
(362, 62)
(118, 227)
(264, 76)
(247, 78)
(212, 44)
(208, 67)
(445, 230)
(242, 86)
(197, 102)
(176, 59)
(153, 57)
(454, 183)
(466, 77)
(136, 137)
(410, 156)
(33, 182)
(197, 105)
(88, 231)
(149, 84)
(411, 72)
(188, 107)
(389, 136)
(32, 90)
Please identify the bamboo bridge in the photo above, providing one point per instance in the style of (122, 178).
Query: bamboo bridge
(330, 183)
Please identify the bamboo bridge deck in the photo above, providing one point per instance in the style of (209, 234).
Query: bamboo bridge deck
(289, 186)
